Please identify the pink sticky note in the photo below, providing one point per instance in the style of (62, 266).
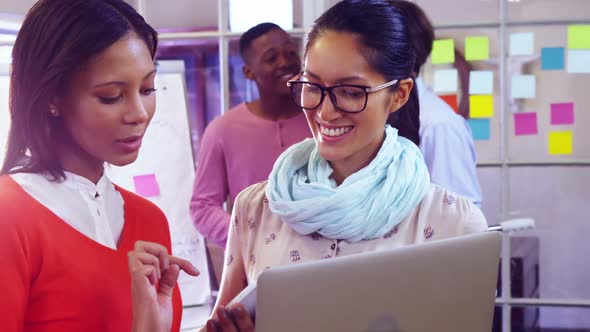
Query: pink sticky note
(525, 124)
(562, 113)
(146, 185)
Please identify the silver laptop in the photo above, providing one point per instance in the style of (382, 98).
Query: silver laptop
(446, 285)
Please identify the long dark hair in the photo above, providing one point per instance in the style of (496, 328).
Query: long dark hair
(58, 37)
(383, 31)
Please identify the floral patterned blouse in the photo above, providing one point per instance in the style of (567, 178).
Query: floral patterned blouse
(258, 239)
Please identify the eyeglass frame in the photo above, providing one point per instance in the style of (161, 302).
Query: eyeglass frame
(333, 98)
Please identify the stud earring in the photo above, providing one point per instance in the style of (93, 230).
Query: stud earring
(53, 111)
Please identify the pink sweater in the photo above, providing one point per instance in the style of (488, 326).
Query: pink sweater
(238, 149)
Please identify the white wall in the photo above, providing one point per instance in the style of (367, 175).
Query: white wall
(181, 13)
(19, 7)
(159, 13)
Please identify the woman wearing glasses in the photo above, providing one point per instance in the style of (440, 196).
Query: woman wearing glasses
(359, 185)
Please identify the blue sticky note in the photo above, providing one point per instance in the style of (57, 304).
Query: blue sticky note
(552, 58)
(480, 128)
(578, 61)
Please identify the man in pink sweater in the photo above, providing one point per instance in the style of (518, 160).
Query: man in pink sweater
(239, 148)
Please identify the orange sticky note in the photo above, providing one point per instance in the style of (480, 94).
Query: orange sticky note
(451, 100)
(481, 106)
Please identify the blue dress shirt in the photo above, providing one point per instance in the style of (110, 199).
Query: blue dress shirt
(447, 145)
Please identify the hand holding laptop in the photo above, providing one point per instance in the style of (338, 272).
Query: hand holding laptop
(247, 298)
(231, 319)
(241, 312)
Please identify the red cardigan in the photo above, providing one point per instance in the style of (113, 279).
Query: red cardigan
(55, 279)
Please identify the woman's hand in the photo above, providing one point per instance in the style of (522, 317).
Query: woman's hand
(154, 273)
(234, 319)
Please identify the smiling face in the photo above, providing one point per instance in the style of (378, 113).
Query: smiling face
(107, 107)
(271, 60)
(346, 140)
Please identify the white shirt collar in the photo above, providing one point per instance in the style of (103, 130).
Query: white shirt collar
(83, 185)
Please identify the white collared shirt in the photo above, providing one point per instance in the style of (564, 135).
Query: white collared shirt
(95, 210)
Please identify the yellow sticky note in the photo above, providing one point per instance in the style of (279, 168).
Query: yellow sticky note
(578, 36)
(443, 51)
(477, 48)
(560, 142)
(481, 106)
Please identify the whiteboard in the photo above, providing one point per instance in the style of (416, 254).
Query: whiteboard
(4, 115)
(166, 153)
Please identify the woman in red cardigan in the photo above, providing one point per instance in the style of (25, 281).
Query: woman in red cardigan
(82, 95)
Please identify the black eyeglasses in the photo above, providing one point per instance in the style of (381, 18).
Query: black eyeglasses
(347, 98)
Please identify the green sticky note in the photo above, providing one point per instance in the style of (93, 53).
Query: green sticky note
(477, 48)
(578, 36)
(560, 142)
(443, 51)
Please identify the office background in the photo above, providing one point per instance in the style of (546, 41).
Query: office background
(533, 150)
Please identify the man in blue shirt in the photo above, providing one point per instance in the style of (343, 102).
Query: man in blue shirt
(445, 137)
